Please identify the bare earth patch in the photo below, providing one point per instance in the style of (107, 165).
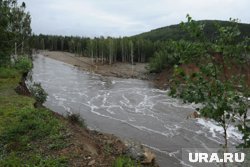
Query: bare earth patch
(89, 148)
(123, 70)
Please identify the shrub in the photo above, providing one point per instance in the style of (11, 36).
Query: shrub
(23, 64)
(38, 92)
(125, 162)
(169, 55)
(76, 119)
(158, 62)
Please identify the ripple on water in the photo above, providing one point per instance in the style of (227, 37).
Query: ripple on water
(127, 104)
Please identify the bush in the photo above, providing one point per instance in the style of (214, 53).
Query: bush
(167, 56)
(158, 62)
(125, 162)
(76, 119)
(38, 92)
(23, 64)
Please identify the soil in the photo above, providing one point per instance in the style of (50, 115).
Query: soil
(22, 89)
(90, 148)
(161, 80)
(118, 69)
(93, 148)
(123, 70)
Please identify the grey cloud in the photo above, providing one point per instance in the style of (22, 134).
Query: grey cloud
(125, 17)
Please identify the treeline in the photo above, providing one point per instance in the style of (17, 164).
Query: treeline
(175, 32)
(104, 50)
(14, 30)
(174, 52)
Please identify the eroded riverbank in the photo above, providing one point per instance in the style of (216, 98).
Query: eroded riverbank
(33, 136)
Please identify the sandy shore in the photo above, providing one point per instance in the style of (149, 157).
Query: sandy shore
(123, 70)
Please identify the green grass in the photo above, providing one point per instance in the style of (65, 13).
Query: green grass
(27, 134)
(125, 162)
(14, 160)
(8, 73)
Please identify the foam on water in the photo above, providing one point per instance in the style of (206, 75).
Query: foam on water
(130, 103)
(214, 129)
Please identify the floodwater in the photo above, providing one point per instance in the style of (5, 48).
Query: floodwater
(129, 108)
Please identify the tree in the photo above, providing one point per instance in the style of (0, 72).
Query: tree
(20, 24)
(14, 28)
(222, 93)
(111, 50)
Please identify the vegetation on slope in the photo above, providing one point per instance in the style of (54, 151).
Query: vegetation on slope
(175, 32)
(24, 129)
(211, 82)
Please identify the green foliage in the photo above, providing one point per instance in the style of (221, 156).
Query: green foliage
(24, 130)
(23, 64)
(145, 45)
(29, 125)
(76, 119)
(108, 148)
(38, 92)
(158, 62)
(212, 85)
(175, 52)
(176, 32)
(13, 160)
(8, 73)
(165, 56)
(14, 29)
(100, 49)
(125, 162)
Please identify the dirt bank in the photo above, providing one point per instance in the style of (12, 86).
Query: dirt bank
(123, 70)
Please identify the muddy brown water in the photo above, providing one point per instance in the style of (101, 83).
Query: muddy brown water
(129, 108)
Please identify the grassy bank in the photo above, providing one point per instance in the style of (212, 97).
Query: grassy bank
(27, 134)
(32, 136)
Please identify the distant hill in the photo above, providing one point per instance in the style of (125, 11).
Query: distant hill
(174, 32)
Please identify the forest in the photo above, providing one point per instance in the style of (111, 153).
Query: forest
(146, 47)
(175, 32)
(104, 50)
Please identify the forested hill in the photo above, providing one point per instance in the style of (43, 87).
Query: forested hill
(175, 32)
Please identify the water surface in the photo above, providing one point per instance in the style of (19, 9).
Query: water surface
(128, 108)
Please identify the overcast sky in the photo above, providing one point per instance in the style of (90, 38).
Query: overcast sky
(125, 17)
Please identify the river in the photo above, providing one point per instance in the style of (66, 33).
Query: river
(129, 108)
